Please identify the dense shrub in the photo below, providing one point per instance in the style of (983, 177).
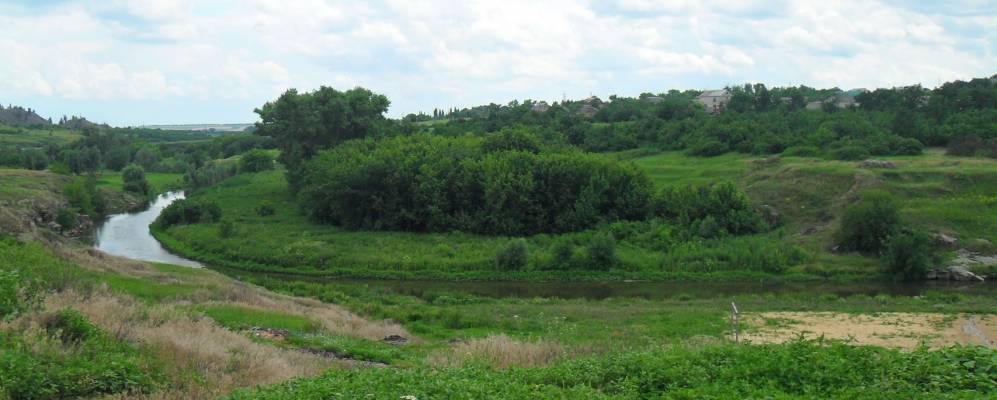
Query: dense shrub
(708, 148)
(562, 253)
(511, 139)
(601, 251)
(909, 255)
(83, 195)
(867, 224)
(69, 326)
(425, 183)
(514, 256)
(133, 177)
(710, 211)
(255, 161)
(185, 211)
(66, 218)
(207, 175)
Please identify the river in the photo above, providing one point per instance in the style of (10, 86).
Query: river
(128, 235)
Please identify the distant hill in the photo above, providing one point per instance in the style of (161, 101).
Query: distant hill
(20, 116)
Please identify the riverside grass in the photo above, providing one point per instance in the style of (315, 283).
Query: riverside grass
(954, 195)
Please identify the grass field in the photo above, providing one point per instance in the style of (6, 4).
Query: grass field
(36, 137)
(945, 194)
(158, 181)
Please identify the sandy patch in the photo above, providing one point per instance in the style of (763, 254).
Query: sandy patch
(896, 330)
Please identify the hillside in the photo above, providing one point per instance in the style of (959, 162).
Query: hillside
(20, 116)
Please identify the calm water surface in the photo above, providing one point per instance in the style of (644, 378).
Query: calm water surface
(127, 235)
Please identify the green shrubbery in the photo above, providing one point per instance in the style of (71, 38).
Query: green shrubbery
(867, 225)
(133, 177)
(800, 369)
(255, 160)
(710, 211)
(186, 211)
(909, 255)
(514, 256)
(437, 184)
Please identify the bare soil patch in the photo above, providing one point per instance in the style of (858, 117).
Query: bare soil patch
(895, 330)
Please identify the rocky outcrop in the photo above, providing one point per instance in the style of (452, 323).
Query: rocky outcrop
(946, 241)
(954, 273)
(959, 268)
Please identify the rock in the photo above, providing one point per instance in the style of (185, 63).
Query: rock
(946, 241)
(960, 273)
(877, 164)
(395, 340)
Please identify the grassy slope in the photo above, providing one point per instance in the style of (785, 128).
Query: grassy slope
(36, 137)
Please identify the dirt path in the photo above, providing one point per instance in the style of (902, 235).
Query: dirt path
(897, 330)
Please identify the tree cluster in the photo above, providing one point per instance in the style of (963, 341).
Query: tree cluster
(431, 183)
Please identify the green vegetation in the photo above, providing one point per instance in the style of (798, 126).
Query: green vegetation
(133, 179)
(69, 357)
(797, 370)
(436, 184)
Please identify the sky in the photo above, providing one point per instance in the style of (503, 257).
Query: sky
(173, 62)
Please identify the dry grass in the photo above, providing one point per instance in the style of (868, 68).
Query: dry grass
(202, 359)
(222, 359)
(500, 352)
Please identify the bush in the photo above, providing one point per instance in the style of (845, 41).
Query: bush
(514, 256)
(907, 147)
(255, 160)
(601, 251)
(909, 255)
(710, 211)
(562, 253)
(133, 177)
(708, 148)
(186, 211)
(850, 153)
(265, 210)
(69, 326)
(66, 218)
(867, 224)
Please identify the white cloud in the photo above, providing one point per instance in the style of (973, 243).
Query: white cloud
(426, 54)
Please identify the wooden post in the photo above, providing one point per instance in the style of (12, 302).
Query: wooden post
(735, 322)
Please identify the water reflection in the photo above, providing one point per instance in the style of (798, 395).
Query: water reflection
(127, 235)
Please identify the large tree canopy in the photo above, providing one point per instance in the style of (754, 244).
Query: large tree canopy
(305, 123)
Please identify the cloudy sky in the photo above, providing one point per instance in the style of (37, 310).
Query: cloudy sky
(155, 61)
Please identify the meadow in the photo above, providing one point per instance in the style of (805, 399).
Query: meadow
(939, 193)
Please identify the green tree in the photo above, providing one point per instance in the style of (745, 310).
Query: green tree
(133, 177)
(303, 124)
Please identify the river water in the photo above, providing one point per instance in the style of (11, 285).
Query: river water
(128, 235)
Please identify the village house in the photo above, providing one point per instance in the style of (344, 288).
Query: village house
(714, 101)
